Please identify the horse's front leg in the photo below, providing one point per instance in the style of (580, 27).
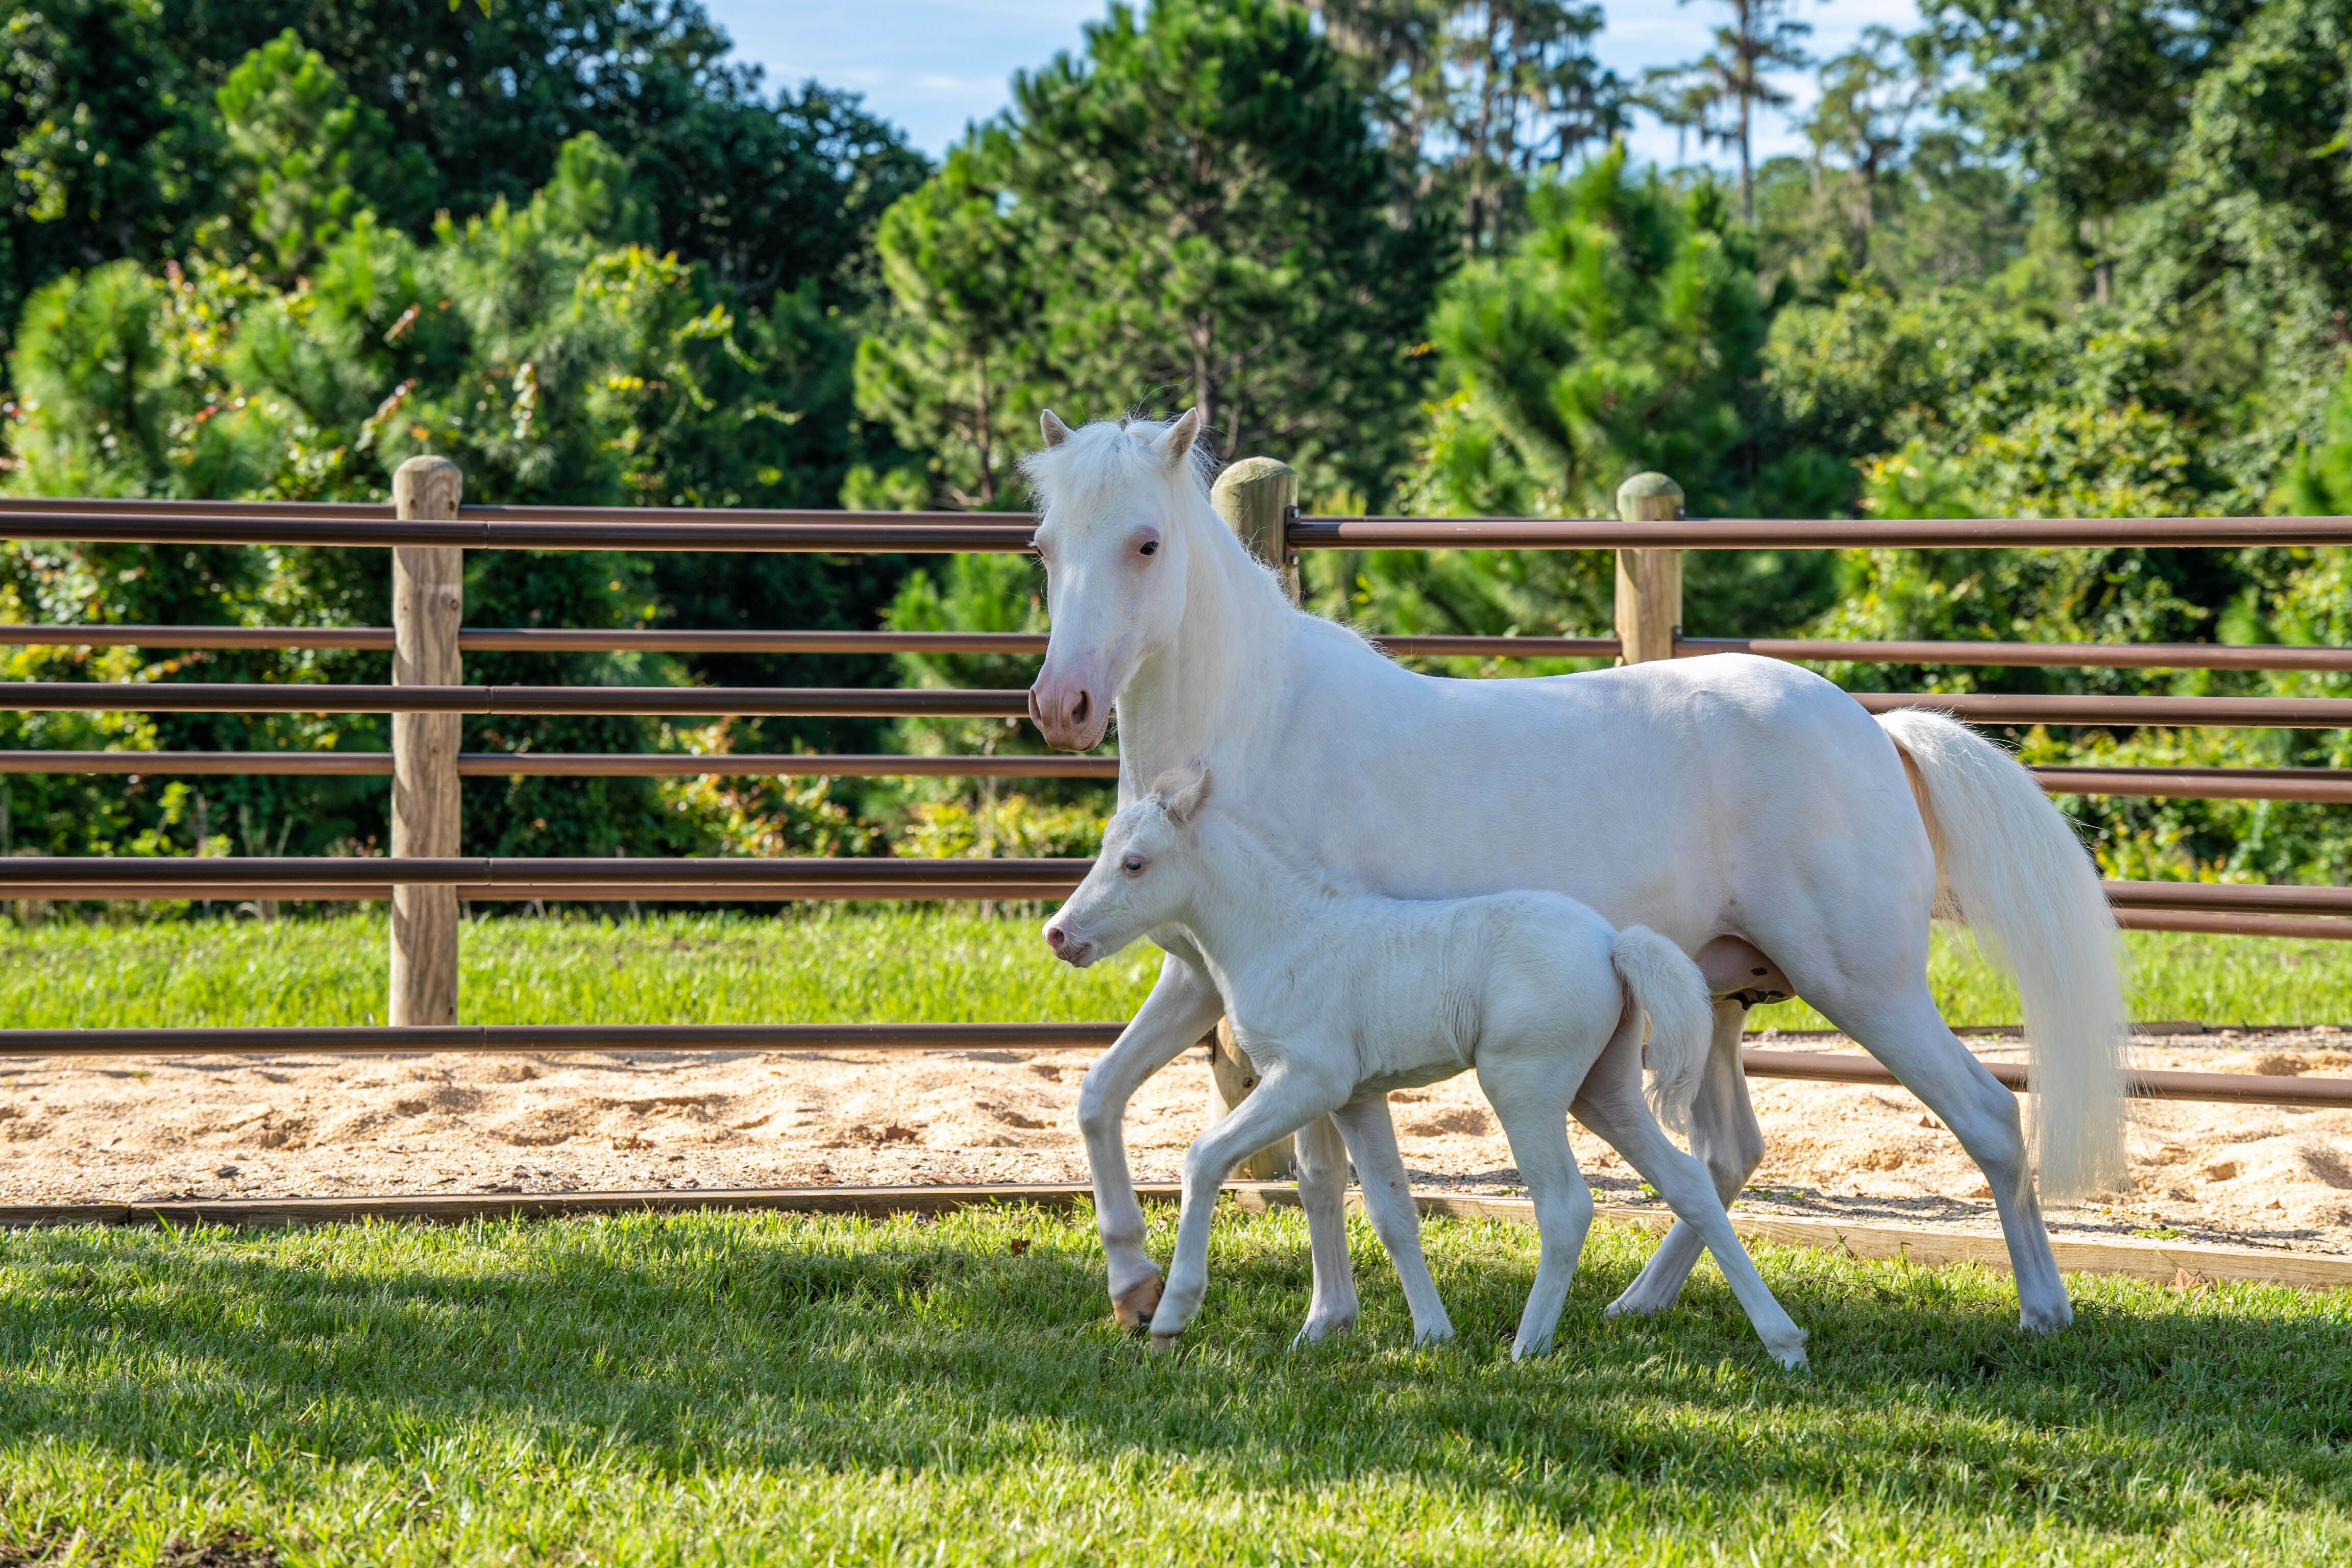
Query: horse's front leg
(1323, 1194)
(1184, 1005)
(1283, 1100)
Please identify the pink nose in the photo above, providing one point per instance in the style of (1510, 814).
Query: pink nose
(1056, 937)
(1065, 712)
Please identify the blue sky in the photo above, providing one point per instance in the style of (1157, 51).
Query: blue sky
(932, 66)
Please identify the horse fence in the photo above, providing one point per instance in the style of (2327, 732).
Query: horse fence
(427, 529)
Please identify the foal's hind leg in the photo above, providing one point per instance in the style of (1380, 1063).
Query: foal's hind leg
(1611, 1104)
(1387, 1200)
(1727, 1141)
(1323, 1194)
(1530, 1099)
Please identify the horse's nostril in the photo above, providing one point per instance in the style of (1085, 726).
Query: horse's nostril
(1078, 708)
(1055, 938)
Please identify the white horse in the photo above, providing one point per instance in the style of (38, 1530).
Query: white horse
(1339, 996)
(1748, 811)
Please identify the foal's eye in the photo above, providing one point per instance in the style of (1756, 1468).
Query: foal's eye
(1132, 863)
(1151, 547)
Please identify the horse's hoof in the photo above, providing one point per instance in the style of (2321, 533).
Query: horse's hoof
(1132, 1308)
(1165, 1344)
(1632, 1306)
(1792, 1361)
(1316, 1332)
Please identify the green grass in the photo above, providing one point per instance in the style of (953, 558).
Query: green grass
(749, 1389)
(828, 965)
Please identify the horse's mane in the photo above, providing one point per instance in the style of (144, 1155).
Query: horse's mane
(1111, 454)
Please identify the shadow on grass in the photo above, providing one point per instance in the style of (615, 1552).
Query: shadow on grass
(697, 1341)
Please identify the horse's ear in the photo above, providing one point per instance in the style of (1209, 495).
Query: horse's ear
(1183, 791)
(1056, 431)
(1176, 447)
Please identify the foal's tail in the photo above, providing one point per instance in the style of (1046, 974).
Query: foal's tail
(2010, 866)
(1664, 983)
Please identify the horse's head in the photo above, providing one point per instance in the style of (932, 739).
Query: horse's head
(1112, 502)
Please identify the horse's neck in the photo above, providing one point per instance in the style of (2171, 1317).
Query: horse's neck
(1256, 910)
(1224, 673)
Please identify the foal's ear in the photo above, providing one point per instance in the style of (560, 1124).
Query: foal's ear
(1176, 447)
(1056, 431)
(1183, 791)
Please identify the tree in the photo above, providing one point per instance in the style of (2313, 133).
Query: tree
(2091, 95)
(956, 367)
(1718, 93)
(307, 157)
(106, 125)
(1620, 334)
(1192, 211)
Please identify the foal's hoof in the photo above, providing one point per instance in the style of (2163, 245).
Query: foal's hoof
(1792, 1361)
(1165, 1344)
(1132, 1308)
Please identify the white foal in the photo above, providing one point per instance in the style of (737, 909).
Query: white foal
(1340, 996)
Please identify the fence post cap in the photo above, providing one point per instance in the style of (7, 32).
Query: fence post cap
(1250, 471)
(1647, 487)
(426, 465)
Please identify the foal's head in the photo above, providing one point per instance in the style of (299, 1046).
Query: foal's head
(1147, 874)
(1112, 500)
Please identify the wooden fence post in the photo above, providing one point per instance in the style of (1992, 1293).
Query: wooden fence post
(1256, 497)
(1649, 582)
(428, 602)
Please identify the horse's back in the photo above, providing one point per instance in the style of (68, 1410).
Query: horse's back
(1662, 794)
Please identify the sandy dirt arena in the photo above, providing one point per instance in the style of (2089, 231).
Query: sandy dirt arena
(83, 1131)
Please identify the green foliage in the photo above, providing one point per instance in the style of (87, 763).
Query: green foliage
(1616, 338)
(309, 157)
(992, 594)
(957, 366)
(1621, 335)
(1192, 211)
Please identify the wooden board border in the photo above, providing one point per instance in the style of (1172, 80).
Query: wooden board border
(2162, 1261)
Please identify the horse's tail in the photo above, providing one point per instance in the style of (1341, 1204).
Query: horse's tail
(1664, 983)
(2009, 867)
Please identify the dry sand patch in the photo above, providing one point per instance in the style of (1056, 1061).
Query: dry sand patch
(82, 1130)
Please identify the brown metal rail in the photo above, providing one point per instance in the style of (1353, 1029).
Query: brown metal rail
(2029, 655)
(1808, 533)
(2323, 784)
(2183, 712)
(2215, 922)
(262, 696)
(553, 1037)
(536, 876)
(1795, 650)
(2331, 785)
(513, 640)
(1816, 1066)
(1010, 702)
(822, 533)
(2240, 1089)
(569, 764)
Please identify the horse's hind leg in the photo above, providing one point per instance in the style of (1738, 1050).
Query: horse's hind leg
(1910, 1036)
(1530, 1099)
(1323, 1194)
(1727, 1141)
(1387, 1200)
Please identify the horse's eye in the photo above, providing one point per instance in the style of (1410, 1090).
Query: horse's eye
(1132, 862)
(1151, 547)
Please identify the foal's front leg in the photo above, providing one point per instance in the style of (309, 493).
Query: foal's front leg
(1284, 1101)
(1184, 1005)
